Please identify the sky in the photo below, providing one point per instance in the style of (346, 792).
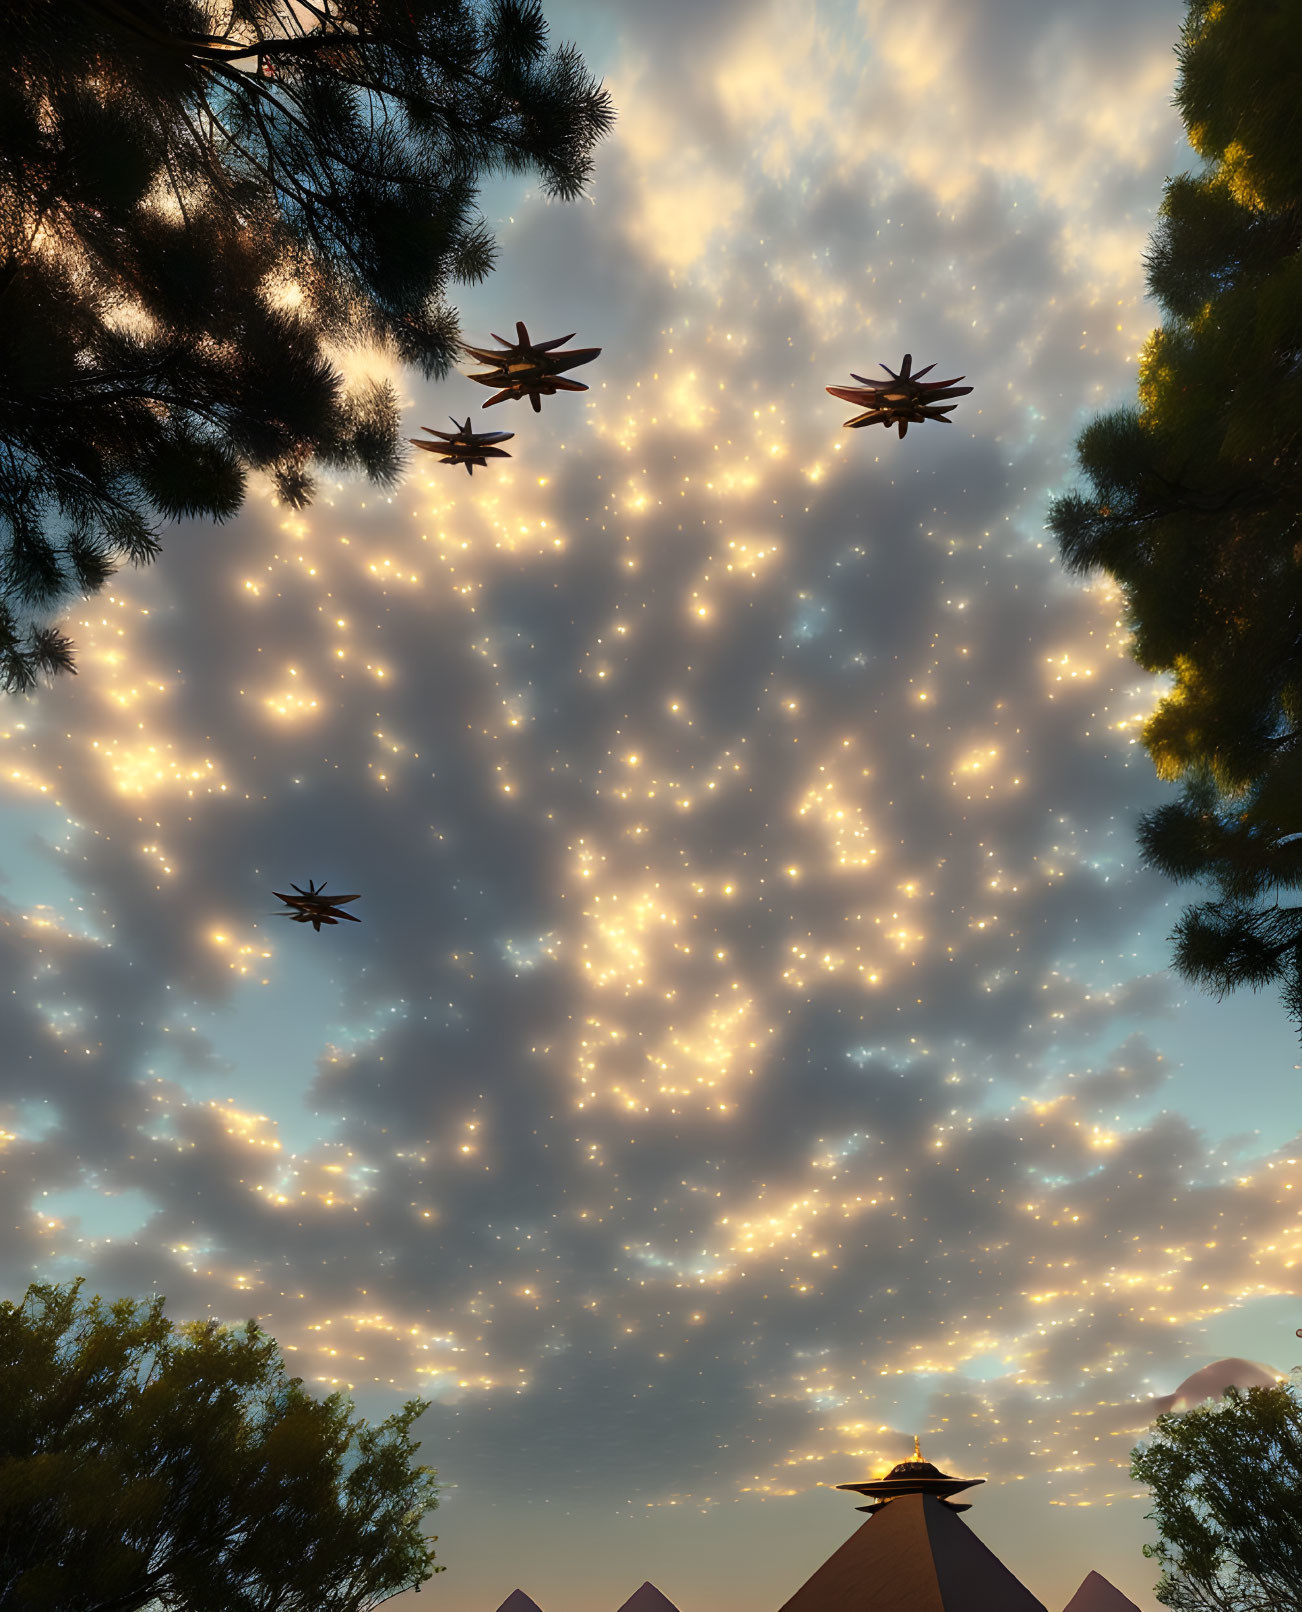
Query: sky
(758, 1045)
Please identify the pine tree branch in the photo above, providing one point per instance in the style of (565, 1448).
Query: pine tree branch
(286, 183)
(369, 133)
(218, 51)
(265, 95)
(121, 12)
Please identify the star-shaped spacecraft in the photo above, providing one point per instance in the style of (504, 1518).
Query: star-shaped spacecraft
(464, 446)
(904, 400)
(529, 369)
(311, 906)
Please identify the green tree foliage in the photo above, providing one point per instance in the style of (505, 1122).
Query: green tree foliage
(1225, 1482)
(1193, 501)
(201, 202)
(147, 1465)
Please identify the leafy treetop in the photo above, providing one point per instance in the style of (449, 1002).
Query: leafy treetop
(144, 1464)
(1225, 1481)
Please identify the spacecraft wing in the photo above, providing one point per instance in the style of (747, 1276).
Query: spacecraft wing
(864, 396)
(564, 361)
(486, 355)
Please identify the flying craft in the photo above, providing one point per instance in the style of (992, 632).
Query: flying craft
(464, 446)
(529, 369)
(313, 907)
(904, 400)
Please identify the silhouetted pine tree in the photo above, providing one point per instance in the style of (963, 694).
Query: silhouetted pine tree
(1194, 501)
(197, 200)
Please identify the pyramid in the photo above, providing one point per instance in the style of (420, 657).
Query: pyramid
(644, 1599)
(914, 1555)
(1097, 1595)
(518, 1601)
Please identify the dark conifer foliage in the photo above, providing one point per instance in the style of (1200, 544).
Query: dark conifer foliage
(200, 200)
(1194, 500)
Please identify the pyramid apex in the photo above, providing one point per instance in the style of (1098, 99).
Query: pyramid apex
(914, 1476)
(1096, 1594)
(518, 1601)
(647, 1598)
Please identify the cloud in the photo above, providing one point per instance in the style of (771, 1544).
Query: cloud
(751, 1048)
(1214, 1381)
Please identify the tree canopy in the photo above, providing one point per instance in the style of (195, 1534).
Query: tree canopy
(1225, 1481)
(1192, 503)
(144, 1465)
(201, 202)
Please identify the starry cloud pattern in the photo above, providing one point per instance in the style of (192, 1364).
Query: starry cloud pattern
(752, 1047)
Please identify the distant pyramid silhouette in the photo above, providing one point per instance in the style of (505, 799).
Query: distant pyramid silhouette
(518, 1601)
(1097, 1595)
(645, 1599)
